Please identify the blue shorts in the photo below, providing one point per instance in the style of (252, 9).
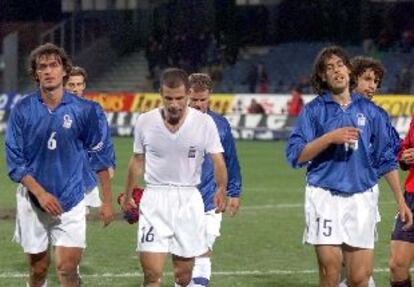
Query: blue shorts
(399, 233)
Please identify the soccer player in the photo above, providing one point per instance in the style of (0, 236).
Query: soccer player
(200, 89)
(343, 140)
(402, 240)
(76, 84)
(171, 143)
(46, 137)
(366, 77)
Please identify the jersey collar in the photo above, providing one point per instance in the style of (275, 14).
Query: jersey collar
(327, 97)
(66, 99)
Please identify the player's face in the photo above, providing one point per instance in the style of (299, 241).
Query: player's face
(336, 74)
(175, 101)
(367, 84)
(49, 72)
(199, 100)
(76, 85)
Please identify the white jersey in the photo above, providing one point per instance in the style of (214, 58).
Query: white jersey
(175, 158)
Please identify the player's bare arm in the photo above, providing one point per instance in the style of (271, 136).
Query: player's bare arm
(135, 171)
(220, 175)
(405, 213)
(338, 136)
(47, 201)
(106, 211)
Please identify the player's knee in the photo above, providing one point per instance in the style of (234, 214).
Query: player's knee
(39, 271)
(152, 276)
(68, 271)
(398, 265)
(330, 271)
(357, 279)
(182, 277)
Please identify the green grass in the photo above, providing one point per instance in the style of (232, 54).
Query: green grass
(260, 247)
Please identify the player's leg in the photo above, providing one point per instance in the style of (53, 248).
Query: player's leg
(31, 233)
(154, 233)
(402, 249)
(68, 235)
(330, 264)
(401, 257)
(359, 265)
(182, 270)
(202, 264)
(92, 200)
(39, 265)
(152, 265)
(202, 270)
(189, 240)
(67, 261)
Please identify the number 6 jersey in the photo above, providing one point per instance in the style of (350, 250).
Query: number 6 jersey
(50, 144)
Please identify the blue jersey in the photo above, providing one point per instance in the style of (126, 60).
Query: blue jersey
(207, 186)
(50, 145)
(337, 168)
(89, 175)
(395, 142)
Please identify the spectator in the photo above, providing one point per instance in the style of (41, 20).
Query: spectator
(255, 108)
(295, 104)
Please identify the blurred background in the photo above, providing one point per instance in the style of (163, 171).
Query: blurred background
(258, 52)
(123, 44)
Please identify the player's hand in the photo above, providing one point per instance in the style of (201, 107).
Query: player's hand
(106, 213)
(406, 215)
(220, 200)
(407, 156)
(233, 205)
(344, 135)
(127, 202)
(49, 203)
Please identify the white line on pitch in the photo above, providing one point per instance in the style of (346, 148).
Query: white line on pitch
(289, 205)
(218, 273)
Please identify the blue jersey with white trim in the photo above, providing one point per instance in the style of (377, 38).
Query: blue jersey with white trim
(338, 168)
(207, 185)
(50, 145)
(89, 175)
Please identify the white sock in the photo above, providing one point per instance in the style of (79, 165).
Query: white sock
(201, 272)
(44, 284)
(371, 283)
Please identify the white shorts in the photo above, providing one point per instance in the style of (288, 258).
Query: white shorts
(335, 219)
(92, 198)
(213, 224)
(36, 229)
(172, 220)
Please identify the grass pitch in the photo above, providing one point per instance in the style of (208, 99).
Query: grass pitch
(261, 246)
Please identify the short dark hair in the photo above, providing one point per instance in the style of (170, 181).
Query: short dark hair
(319, 67)
(200, 82)
(78, 71)
(174, 77)
(361, 64)
(49, 49)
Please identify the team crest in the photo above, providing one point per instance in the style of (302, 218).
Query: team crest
(67, 121)
(361, 120)
(192, 152)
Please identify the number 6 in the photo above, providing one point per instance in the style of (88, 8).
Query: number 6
(51, 142)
